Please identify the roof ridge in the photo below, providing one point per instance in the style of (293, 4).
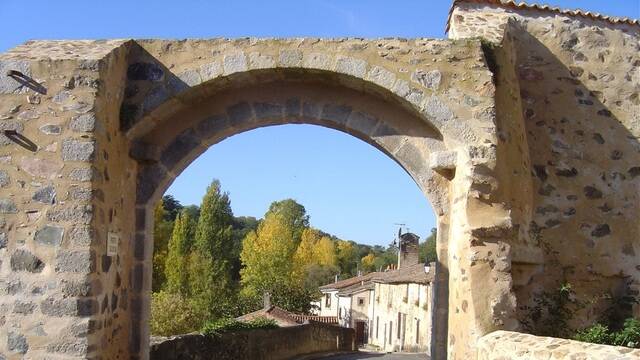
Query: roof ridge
(510, 4)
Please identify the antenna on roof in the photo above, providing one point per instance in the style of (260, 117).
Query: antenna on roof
(397, 240)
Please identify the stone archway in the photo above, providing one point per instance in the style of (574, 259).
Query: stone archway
(154, 106)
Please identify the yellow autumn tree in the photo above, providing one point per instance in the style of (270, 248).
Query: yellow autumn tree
(267, 256)
(305, 254)
(368, 262)
(325, 252)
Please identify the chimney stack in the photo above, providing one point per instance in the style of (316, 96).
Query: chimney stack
(408, 250)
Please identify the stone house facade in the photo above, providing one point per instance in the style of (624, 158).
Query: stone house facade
(392, 310)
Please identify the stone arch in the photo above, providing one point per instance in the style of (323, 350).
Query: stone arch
(168, 146)
(439, 126)
(129, 115)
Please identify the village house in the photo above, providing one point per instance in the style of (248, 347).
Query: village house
(391, 310)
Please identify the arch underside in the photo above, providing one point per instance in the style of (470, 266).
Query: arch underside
(209, 113)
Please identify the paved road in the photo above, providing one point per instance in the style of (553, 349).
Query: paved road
(378, 356)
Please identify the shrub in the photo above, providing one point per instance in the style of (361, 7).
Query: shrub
(172, 314)
(597, 334)
(221, 326)
(628, 336)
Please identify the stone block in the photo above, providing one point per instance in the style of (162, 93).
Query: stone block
(81, 174)
(81, 214)
(17, 343)
(24, 307)
(49, 235)
(81, 235)
(239, 113)
(351, 66)
(430, 79)
(83, 123)
(59, 307)
(7, 206)
(336, 112)
(382, 77)
(77, 150)
(81, 261)
(42, 168)
(210, 70)
(267, 110)
(23, 260)
(443, 160)
(234, 63)
(9, 85)
(5, 179)
(290, 58)
(45, 195)
(51, 129)
(9, 125)
(179, 148)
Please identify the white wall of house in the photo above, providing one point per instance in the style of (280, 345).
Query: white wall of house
(329, 303)
(401, 315)
(344, 311)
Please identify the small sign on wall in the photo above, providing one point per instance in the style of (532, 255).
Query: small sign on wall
(112, 244)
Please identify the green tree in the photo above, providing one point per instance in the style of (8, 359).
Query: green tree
(162, 229)
(428, 248)
(293, 214)
(268, 259)
(210, 261)
(347, 258)
(172, 207)
(177, 264)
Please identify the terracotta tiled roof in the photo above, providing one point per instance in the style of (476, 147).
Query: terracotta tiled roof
(281, 316)
(354, 289)
(414, 274)
(285, 318)
(510, 4)
(350, 281)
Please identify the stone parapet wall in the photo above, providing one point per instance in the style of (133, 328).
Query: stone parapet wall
(501, 345)
(272, 344)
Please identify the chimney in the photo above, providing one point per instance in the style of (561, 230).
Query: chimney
(266, 300)
(408, 250)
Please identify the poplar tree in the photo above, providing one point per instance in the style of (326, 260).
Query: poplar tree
(210, 260)
(177, 265)
(161, 235)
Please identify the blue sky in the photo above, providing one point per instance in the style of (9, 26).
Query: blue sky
(349, 188)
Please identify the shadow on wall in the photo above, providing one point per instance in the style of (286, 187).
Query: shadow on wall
(585, 164)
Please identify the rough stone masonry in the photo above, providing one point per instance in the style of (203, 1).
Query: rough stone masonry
(522, 130)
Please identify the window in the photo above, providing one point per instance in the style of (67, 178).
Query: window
(377, 325)
(399, 325)
(418, 331)
(327, 300)
(340, 313)
(406, 294)
(361, 301)
(390, 331)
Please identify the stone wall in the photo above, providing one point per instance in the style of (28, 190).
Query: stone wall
(501, 345)
(574, 82)
(526, 146)
(272, 344)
